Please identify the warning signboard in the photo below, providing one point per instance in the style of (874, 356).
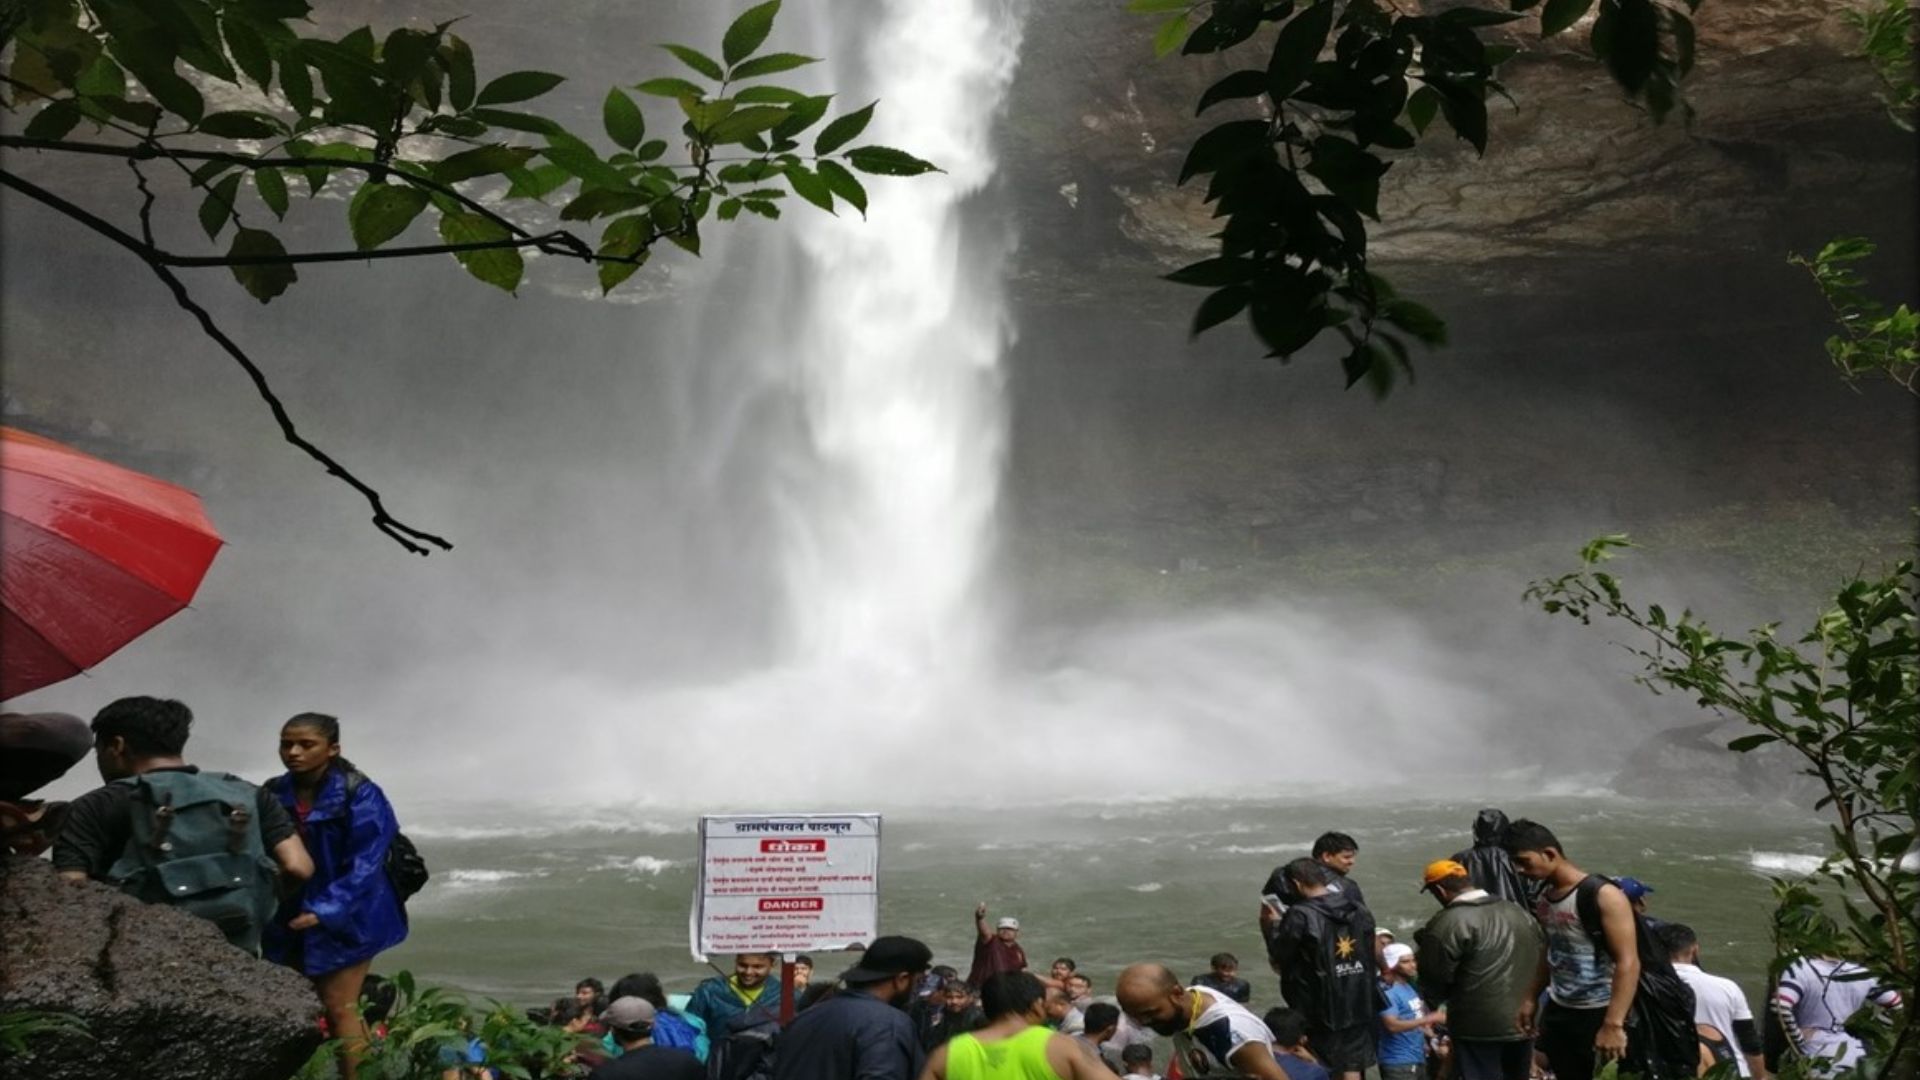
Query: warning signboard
(787, 883)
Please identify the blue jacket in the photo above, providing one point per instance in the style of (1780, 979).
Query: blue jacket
(360, 914)
(715, 1002)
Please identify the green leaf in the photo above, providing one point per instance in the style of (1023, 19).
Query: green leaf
(1214, 272)
(54, 121)
(517, 86)
(217, 208)
(1558, 15)
(296, 82)
(1297, 47)
(1750, 742)
(1240, 84)
(886, 161)
(742, 123)
(515, 121)
(1348, 172)
(537, 182)
(810, 187)
(844, 184)
(1416, 319)
(802, 115)
(1627, 37)
(271, 185)
(1170, 35)
(843, 130)
(1219, 306)
(250, 52)
(241, 125)
(1225, 143)
(671, 87)
(456, 58)
(624, 238)
(102, 78)
(1158, 7)
(264, 281)
(502, 267)
(383, 211)
(1421, 107)
(698, 61)
(749, 31)
(479, 161)
(579, 159)
(623, 120)
(769, 95)
(771, 64)
(599, 202)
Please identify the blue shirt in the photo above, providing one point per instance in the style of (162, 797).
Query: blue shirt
(1300, 1068)
(1403, 1047)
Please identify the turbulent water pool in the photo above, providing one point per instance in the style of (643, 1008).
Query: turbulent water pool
(521, 907)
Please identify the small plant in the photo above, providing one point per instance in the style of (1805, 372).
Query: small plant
(432, 1030)
(1845, 698)
(1872, 340)
(18, 1029)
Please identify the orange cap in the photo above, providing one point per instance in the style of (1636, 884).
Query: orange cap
(1441, 870)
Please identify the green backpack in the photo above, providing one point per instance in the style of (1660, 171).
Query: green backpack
(197, 846)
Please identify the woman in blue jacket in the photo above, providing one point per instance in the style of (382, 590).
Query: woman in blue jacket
(348, 911)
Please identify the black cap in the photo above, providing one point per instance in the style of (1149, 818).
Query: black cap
(887, 957)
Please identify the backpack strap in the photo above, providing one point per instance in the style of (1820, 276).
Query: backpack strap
(1586, 902)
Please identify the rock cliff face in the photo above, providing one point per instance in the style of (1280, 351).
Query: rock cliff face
(1786, 124)
(161, 993)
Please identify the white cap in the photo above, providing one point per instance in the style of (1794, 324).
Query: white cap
(1008, 922)
(1393, 954)
(1382, 931)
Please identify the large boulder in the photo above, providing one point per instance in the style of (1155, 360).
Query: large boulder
(162, 993)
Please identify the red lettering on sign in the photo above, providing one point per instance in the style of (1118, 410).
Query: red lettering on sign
(790, 847)
(792, 903)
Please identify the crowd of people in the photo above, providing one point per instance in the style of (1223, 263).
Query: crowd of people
(1530, 968)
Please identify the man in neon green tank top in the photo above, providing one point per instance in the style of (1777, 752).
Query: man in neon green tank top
(1016, 1044)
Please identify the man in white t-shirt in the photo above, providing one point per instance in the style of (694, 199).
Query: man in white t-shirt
(1815, 998)
(1720, 1009)
(1210, 1031)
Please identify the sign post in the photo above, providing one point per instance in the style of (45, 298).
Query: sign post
(787, 884)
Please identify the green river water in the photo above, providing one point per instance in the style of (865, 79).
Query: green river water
(522, 907)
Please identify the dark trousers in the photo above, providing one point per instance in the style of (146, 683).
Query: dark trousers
(1485, 1059)
(1566, 1037)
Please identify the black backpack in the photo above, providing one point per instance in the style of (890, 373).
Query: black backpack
(405, 867)
(1664, 1043)
(744, 1051)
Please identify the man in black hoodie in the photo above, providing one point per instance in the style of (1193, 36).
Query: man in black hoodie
(1323, 950)
(1488, 863)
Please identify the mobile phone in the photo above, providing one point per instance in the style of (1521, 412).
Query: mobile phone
(1272, 900)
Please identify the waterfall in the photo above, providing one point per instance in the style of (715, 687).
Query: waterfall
(887, 537)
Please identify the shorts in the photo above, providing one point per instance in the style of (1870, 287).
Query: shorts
(1403, 1072)
(1347, 1049)
(1485, 1059)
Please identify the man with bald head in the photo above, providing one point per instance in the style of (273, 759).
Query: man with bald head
(1210, 1031)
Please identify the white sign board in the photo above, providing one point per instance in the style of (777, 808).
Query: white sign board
(787, 883)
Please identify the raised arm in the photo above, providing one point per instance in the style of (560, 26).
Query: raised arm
(980, 921)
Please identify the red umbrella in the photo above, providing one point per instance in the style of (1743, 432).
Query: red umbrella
(92, 555)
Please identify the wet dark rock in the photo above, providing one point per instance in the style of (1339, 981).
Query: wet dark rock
(1693, 761)
(162, 994)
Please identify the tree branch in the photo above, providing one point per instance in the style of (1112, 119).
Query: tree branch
(406, 535)
(143, 152)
